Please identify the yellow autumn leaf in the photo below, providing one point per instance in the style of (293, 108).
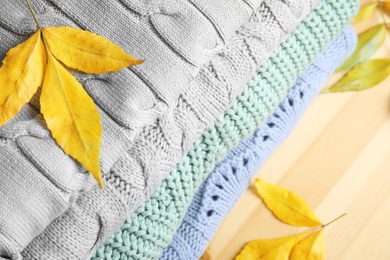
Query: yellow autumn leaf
(369, 42)
(20, 76)
(271, 249)
(71, 116)
(365, 12)
(69, 112)
(86, 51)
(310, 248)
(287, 206)
(365, 75)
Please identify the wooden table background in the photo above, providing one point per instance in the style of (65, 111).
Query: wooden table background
(338, 160)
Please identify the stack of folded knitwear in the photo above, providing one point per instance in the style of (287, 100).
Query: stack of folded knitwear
(223, 83)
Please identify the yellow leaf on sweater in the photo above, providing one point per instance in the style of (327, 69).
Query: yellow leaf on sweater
(86, 51)
(310, 248)
(71, 116)
(270, 249)
(20, 76)
(287, 206)
(69, 112)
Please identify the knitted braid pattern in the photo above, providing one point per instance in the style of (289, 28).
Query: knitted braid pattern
(230, 178)
(145, 233)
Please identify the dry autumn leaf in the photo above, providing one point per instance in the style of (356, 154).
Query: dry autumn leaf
(271, 249)
(365, 75)
(71, 116)
(310, 248)
(287, 206)
(85, 51)
(369, 42)
(365, 12)
(291, 209)
(69, 112)
(20, 76)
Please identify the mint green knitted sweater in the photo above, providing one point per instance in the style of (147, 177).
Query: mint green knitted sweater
(151, 227)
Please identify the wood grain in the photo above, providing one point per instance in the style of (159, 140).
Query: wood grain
(338, 159)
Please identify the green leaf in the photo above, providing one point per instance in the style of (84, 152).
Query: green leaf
(365, 12)
(368, 43)
(365, 75)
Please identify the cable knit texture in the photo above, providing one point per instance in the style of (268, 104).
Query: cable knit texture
(198, 58)
(150, 229)
(230, 178)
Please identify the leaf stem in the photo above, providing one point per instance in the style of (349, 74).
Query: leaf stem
(334, 220)
(33, 14)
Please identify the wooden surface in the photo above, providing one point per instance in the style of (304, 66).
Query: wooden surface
(338, 160)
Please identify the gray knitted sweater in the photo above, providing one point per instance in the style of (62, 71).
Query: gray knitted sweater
(199, 54)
